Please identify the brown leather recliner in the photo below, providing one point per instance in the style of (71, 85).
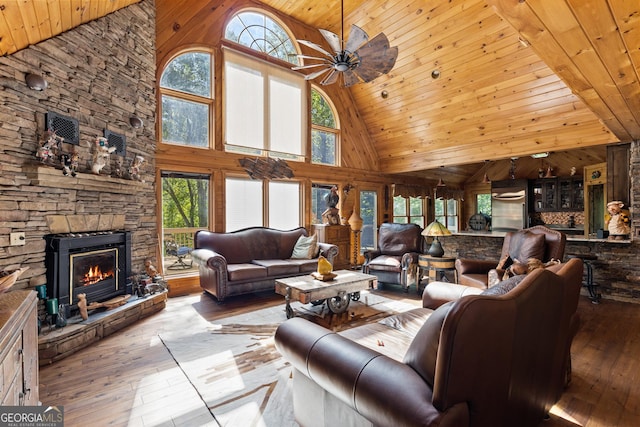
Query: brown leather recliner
(537, 242)
(396, 259)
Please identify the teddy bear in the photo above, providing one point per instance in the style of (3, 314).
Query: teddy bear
(617, 221)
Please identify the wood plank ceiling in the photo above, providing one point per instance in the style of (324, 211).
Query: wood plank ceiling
(516, 76)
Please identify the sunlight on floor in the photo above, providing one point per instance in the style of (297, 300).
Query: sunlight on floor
(558, 412)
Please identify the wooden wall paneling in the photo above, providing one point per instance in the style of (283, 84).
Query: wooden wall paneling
(618, 177)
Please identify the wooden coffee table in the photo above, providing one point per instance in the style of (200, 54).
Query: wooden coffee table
(337, 293)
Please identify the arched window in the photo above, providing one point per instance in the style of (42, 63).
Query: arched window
(260, 32)
(324, 130)
(187, 99)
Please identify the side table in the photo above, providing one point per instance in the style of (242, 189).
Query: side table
(436, 265)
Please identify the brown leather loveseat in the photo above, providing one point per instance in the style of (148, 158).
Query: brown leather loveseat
(493, 359)
(251, 259)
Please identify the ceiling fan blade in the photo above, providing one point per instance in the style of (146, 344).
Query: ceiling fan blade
(378, 55)
(315, 57)
(331, 78)
(306, 67)
(350, 78)
(317, 73)
(357, 37)
(314, 46)
(333, 40)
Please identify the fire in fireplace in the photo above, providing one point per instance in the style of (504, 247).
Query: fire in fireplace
(96, 264)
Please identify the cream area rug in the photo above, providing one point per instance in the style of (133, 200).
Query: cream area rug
(234, 366)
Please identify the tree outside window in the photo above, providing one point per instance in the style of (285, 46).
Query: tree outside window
(324, 132)
(408, 210)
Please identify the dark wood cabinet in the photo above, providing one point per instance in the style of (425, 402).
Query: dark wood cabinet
(339, 235)
(557, 194)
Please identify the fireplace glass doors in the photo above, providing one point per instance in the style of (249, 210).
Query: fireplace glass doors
(91, 271)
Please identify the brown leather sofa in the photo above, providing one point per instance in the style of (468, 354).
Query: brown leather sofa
(396, 258)
(537, 242)
(251, 259)
(496, 358)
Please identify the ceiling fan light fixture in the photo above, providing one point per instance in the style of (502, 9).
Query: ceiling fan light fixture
(540, 155)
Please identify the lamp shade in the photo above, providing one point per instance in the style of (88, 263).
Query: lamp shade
(436, 229)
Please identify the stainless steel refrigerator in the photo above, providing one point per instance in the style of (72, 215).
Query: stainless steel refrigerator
(509, 205)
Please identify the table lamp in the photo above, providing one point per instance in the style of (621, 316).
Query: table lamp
(435, 230)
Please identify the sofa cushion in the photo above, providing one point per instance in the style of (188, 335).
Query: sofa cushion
(525, 244)
(423, 351)
(305, 265)
(386, 263)
(278, 267)
(306, 247)
(243, 272)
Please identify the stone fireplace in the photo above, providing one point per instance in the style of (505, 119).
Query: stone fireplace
(97, 264)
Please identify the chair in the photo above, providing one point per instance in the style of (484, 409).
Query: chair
(396, 258)
(537, 242)
(180, 252)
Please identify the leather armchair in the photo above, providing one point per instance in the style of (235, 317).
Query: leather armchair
(518, 245)
(396, 259)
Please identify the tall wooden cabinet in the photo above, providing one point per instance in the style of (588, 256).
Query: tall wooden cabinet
(339, 235)
(19, 379)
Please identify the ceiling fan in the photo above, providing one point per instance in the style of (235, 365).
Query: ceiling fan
(359, 60)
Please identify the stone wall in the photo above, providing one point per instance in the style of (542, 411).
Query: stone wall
(100, 73)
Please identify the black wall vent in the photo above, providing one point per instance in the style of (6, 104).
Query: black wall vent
(116, 140)
(65, 127)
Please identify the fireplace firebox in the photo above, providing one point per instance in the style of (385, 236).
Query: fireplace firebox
(96, 264)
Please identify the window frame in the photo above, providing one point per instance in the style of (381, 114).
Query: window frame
(269, 72)
(320, 128)
(209, 101)
(407, 217)
(451, 221)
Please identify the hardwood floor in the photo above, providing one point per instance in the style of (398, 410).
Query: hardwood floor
(130, 379)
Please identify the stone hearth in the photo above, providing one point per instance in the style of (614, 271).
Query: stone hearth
(56, 344)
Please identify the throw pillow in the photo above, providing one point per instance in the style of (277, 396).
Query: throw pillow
(306, 247)
(504, 286)
(423, 351)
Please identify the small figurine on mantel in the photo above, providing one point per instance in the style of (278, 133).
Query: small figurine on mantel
(69, 163)
(50, 147)
(101, 153)
(136, 168)
(331, 215)
(617, 221)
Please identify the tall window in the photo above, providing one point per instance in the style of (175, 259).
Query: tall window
(245, 199)
(265, 108)
(324, 130)
(259, 32)
(408, 210)
(185, 209)
(243, 207)
(187, 99)
(369, 214)
(446, 211)
(284, 205)
(483, 203)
